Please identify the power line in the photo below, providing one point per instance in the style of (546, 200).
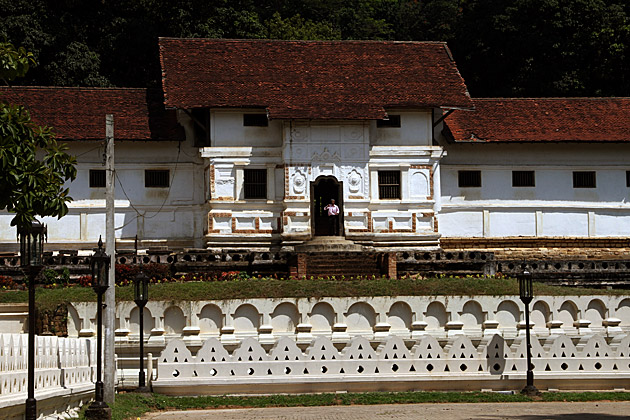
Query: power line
(138, 212)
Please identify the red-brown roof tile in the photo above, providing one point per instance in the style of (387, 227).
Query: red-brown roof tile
(311, 79)
(543, 120)
(79, 113)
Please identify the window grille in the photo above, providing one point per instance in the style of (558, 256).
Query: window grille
(393, 121)
(255, 183)
(523, 179)
(389, 185)
(584, 179)
(97, 178)
(255, 120)
(468, 179)
(156, 178)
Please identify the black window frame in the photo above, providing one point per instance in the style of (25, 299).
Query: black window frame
(523, 179)
(584, 179)
(97, 178)
(392, 121)
(255, 119)
(389, 185)
(157, 178)
(254, 184)
(469, 179)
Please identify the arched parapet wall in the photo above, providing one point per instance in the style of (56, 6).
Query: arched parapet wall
(375, 318)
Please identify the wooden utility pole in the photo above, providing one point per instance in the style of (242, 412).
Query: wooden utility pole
(109, 319)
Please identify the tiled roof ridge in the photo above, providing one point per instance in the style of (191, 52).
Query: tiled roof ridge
(545, 98)
(364, 41)
(112, 88)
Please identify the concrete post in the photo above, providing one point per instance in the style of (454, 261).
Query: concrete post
(109, 363)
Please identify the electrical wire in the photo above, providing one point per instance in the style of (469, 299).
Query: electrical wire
(138, 212)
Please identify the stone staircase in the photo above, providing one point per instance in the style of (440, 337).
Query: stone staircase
(338, 264)
(329, 244)
(329, 256)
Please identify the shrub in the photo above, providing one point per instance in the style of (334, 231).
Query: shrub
(49, 276)
(155, 271)
(7, 283)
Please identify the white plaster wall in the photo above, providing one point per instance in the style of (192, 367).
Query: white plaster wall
(551, 208)
(151, 213)
(415, 130)
(345, 150)
(226, 129)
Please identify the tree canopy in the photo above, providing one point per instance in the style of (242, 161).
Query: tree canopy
(503, 48)
(33, 166)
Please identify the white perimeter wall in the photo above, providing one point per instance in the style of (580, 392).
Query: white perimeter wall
(551, 208)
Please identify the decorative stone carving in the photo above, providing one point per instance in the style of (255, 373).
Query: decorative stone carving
(355, 181)
(326, 156)
(299, 182)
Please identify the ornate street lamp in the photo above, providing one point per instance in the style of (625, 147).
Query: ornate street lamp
(31, 249)
(99, 264)
(526, 292)
(141, 296)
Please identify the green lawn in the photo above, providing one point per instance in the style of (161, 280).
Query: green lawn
(131, 406)
(311, 288)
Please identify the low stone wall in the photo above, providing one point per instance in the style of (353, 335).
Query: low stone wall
(340, 320)
(370, 317)
(393, 364)
(64, 375)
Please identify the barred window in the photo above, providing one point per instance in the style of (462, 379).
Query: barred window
(255, 183)
(469, 179)
(389, 185)
(523, 179)
(97, 178)
(156, 178)
(255, 120)
(584, 179)
(393, 121)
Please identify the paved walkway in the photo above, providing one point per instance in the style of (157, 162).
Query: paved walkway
(484, 411)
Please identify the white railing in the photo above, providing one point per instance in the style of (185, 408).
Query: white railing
(393, 364)
(64, 373)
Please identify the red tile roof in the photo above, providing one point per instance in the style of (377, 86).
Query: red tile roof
(79, 113)
(543, 120)
(311, 79)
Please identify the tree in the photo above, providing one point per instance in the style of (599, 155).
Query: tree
(33, 166)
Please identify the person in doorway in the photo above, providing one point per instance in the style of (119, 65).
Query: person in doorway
(333, 217)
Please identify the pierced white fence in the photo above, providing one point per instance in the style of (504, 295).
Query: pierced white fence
(393, 364)
(64, 375)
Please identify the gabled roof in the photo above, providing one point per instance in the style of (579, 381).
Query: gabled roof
(543, 120)
(79, 113)
(310, 79)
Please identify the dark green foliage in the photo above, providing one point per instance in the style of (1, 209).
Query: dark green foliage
(33, 166)
(503, 48)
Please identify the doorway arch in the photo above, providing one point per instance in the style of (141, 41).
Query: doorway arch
(323, 189)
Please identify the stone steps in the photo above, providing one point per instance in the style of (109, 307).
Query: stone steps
(348, 264)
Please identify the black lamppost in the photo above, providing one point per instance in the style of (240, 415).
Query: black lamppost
(99, 265)
(141, 296)
(31, 250)
(526, 292)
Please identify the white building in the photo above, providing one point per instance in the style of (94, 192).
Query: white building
(258, 136)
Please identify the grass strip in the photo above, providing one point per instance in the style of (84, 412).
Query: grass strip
(305, 288)
(131, 406)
